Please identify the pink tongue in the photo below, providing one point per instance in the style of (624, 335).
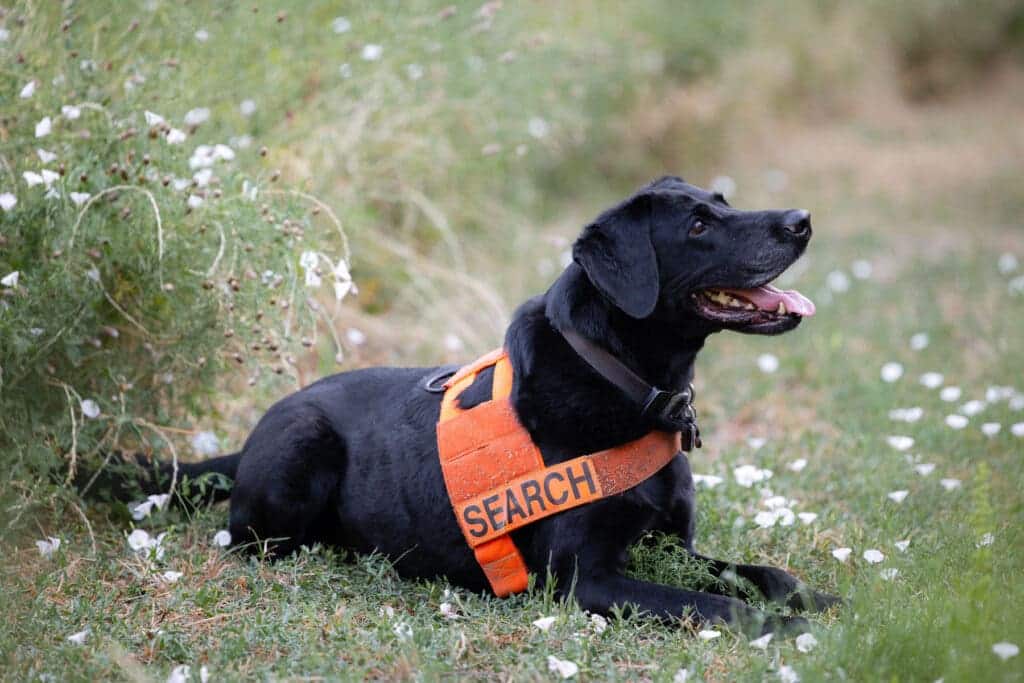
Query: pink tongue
(768, 298)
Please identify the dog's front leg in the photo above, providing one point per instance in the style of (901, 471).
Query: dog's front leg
(603, 594)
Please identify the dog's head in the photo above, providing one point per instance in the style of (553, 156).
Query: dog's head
(674, 250)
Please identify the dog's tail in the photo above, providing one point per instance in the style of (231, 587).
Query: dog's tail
(124, 477)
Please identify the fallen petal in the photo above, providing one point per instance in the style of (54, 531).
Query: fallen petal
(762, 642)
(891, 372)
(544, 623)
(562, 667)
(222, 538)
(956, 421)
(842, 554)
(805, 642)
(709, 634)
(1005, 650)
(897, 496)
(873, 556)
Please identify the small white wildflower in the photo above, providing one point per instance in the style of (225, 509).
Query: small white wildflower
(414, 72)
(79, 638)
(807, 517)
(889, 573)
(171, 576)
(932, 380)
(202, 177)
(448, 611)
(891, 372)
(180, 184)
(372, 52)
(1007, 263)
(205, 443)
(709, 480)
(49, 177)
(223, 152)
(247, 107)
(194, 201)
(1017, 429)
(93, 274)
(956, 421)
(990, 429)
(403, 631)
(842, 554)
(902, 545)
(90, 408)
(748, 475)
(32, 178)
(599, 623)
(909, 415)
(925, 468)
(356, 337)
(309, 260)
(28, 91)
(1005, 650)
(194, 117)
(345, 70)
(48, 546)
(950, 394)
(986, 539)
(797, 465)
(919, 341)
(70, 112)
(765, 519)
(950, 484)
(681, 676)
(202, 35)
(204, 674)
(805, 642)
(788, 675)
(768, 362)
(709, 634)
(45, 156)
(897, 496)
(838, 281)
(873, 556)
(153, 119)
(175, 136)
(313, 279)
(544, 623)
(452, 343)
(762, 642)
(222, 538)
(44, 127)
(538, 127)
(79, 198)
(341, 25)
(562, 667)
(900, 442)
(756, 442)
(723, 184)
(4, 35)
(180, 674)
(11, 279)
(861, 269)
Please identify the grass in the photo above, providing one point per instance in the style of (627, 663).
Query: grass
(882, 189)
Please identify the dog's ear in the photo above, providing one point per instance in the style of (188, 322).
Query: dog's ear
(616, 253)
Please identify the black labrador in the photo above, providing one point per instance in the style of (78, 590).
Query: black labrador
(352, 459)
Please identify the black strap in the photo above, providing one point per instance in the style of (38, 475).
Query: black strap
(672, 410)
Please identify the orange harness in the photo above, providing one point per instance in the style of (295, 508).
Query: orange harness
(497, 481)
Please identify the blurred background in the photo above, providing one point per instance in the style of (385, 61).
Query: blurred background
(204, 206)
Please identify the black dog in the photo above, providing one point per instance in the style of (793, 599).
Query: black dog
(352, 459)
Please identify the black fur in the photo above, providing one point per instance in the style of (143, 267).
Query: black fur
(352, 459)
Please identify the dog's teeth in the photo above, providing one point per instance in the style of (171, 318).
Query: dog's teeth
(782, 308)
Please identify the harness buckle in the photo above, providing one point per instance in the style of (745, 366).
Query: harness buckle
(674, 411)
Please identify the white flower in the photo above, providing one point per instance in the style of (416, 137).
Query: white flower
(889, 573)
(1017, 402)
(44, 127)
(805, 642)
(175, 136)
(899, 442)
(49, 177)
(222, 538)
(452, 343)
(4, 35)
(797, 465)
(932, 380)
(599, 623)
(90, 409)
(990, 429)
(205, 443)
(180, 184)
(194, 201)
(1005, 650)
(312, 279)
(342, 280)
(768, 362)
(345, 70)
(403, 631)
(950, 484)
(247, 107)
(79, 638)
(709, 634)
(7, 201)
(709, 480)
(28, 91)
(70, 112)
(956, 421)
(807, 517)
(152, 119)
(837, 281)
(414, 72)
(925, 468)
(356, 337)
(902, 545)
(788, 675)
(897, 496)
(202, 177)
(842, 554)
(891, 372)
(202, 35)
(48, 546)
(919, 341)
(861, 269)
(79, 198)
(1017, 429)
(987, 539)
(544, 623)
(950, 394)
(724, 185)
(341, 25)
(682, 676)
(138, 539)
(973, 408)
(873, 556)
(32, 178)
(45, 156)
(372, 52)
(1016, 285)
(171, 576)
(448, 611)
(180, 674)
(1007, 263)
(308, 260)
(11, 279)
(562, 667)
(93, 274)
(748, 475)
(756, 442)
(762, 642)
(537, 127)
(222, 152)
(204, 674)
(765, 519)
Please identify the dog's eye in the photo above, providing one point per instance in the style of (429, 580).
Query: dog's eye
(698, 228)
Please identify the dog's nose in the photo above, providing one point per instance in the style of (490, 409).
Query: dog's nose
(797, 222)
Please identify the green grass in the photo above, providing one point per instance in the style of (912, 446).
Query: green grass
(417, 197)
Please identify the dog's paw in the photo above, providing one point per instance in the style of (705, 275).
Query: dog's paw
(785, 627)
(810, 600)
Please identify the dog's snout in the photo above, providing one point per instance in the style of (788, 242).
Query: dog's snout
(797, 222)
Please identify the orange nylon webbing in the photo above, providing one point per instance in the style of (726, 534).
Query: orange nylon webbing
(497, 481)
